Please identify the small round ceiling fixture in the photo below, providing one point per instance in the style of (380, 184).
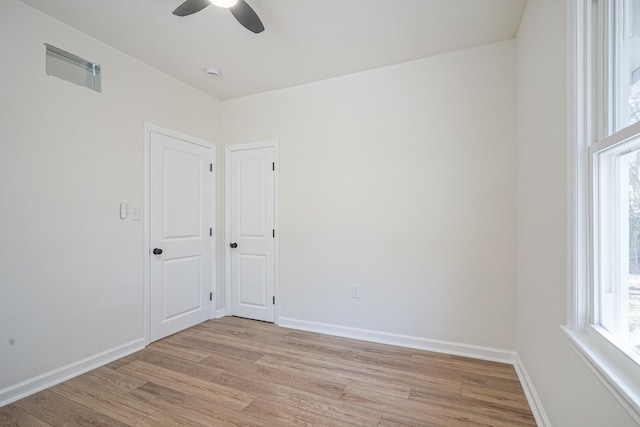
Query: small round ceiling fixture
(212, 72)
(224, 3)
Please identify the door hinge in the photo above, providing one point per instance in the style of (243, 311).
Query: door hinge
(210, 296)
(210, 231)
(274, 300)
(273, 166)
(210, 167)
(273, 234)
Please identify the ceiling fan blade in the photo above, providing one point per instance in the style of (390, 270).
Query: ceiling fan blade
(191, 6)
(247, 17)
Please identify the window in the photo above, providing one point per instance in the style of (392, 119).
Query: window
(616, 237)
(615, 181)
(624, 42)
(604, 324)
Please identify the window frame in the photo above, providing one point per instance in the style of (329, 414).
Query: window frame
(591, 96)
(604, 158)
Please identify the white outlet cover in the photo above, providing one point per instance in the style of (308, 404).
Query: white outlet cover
(134, 212)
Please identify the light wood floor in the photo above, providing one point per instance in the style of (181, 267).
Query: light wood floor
(234, 371)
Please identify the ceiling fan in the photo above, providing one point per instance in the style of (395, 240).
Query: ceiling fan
(239, 9)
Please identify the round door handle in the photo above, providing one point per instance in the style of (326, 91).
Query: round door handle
(233, 245)
(157, 251)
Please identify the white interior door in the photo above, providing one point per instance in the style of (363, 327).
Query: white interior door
(252, 231)
(179, 234)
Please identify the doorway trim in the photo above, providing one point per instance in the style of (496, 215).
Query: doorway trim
(274, 143)
(150, 128)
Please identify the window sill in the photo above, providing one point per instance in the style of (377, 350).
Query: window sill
(615, 369)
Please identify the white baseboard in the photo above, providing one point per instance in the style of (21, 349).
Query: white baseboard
(48, 379)
(532, 396)
(18, 391)
(458, 349)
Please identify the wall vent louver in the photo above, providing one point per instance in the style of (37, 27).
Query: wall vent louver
(72, 68)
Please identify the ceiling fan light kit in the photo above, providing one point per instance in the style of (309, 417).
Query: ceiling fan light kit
(212, 72)
(224, 3)
(239, 9)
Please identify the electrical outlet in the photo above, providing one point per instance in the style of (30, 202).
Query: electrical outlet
(355, 291)
(134, 212)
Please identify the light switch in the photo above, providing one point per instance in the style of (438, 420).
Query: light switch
(134, 212)
(123, 210)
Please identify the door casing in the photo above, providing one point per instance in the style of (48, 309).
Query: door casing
(148, 129)
(227, 221)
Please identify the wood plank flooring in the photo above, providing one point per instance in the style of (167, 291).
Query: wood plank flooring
(234, 371)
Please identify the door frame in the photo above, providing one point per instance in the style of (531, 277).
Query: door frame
(274, 143)
(150, 128)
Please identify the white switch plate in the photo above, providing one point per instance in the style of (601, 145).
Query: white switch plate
(123, 210)
(355, 291)
(134, 212)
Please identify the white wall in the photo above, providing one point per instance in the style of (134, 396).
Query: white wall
(71, 278)
(570, 393)
(401, 180)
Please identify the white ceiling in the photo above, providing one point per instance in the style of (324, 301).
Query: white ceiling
(304, 40)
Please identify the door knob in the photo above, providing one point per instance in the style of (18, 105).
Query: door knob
(233, 245)
(157, 251)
